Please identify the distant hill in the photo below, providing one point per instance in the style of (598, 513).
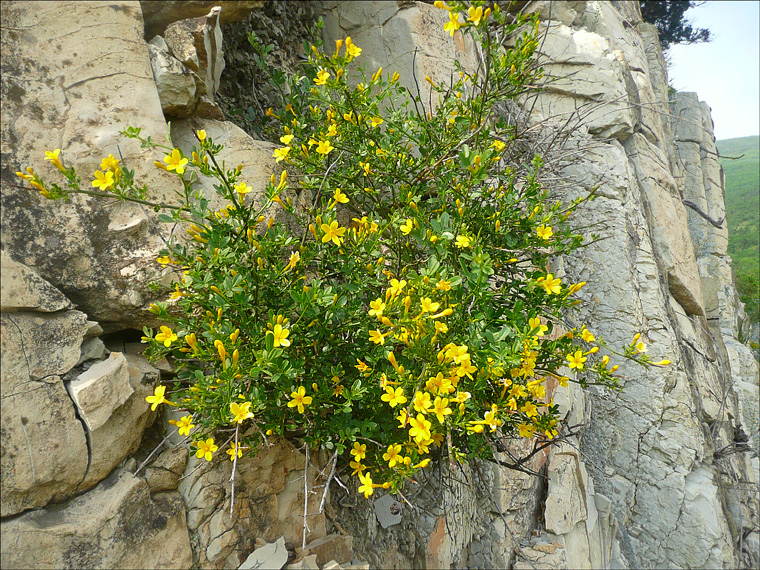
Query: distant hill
(743, 213)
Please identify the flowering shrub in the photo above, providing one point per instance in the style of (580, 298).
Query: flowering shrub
(407, 311)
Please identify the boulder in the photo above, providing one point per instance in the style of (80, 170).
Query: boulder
(70, 82)
(175, 82)
(116, 525)
(101, 389)
(158, 14)
(21, 289)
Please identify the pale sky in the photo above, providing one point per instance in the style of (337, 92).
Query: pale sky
(724, 72)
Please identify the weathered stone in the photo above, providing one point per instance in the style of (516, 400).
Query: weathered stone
(101, 389)
(268, 557)
(21, 289)
(116, 525)
(158, 14)
(121, 434)
(175, 82)
(332, 547)
(70, 82)
(306, 563)
(91, 349)
(164, 473)
(566, 502)
(388, 511)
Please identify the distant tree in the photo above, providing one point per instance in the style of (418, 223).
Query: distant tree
(673, 27)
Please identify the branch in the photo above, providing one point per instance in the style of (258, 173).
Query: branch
(693, 206)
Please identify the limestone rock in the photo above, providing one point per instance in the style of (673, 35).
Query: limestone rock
(164, 473)
(306, 563)
(268, 557)
(332, 547)
(120, 435)
(158, 14)
(101, 389)
(268, 502)
(116, 525)
(91, 349)
(566, 501)
(174, 81)
(22, 289)
(70, 82)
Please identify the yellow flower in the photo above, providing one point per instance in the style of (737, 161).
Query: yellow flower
(441, 328)
(157, 398)
(175, 162)
(376, 121)
(164, 260)
(185, 424)
(324, 147)
(109, 163)
(231, 451)
(166, 336)
(206, 449)
(640, 347)
(333, 232)
(53, 156)
(428, 305)
(299, 399)
(544, 232)
(366, 487)
(536, 324)
(587, 336)
(407, 227)
(443, 285)
(241, 412)
(201, 134)
(576, 360)
(361, 366)
(376, 308)
(394, 455)
(476, 14)
(463, 242)
(295, 257)
(242, 188)
(103, 180)
(357, 467)
(526, 430)
(359, 451)
(549, 284)
(377, 337)
(441, 408)
(420, 429)
(340, 197)
(439, 4)
(498, 145)
(280, 336)
(396, 287)
(281, 153)
(393, 397)
(453, 24)
(285, 139)
(322, 77)
(352, 50)
(422, 402)
(529, 408)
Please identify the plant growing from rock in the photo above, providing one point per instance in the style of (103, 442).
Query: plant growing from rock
(405, 313)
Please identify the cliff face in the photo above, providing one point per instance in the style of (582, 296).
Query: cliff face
(666, 471)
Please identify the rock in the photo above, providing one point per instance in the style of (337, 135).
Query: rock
(566, 501)
(101, 389)
(305, 563)
(44, 453)
(174, 81)
(332, 547)
(158, 14)
(121, 434)
(197, 43)
(164, 473)
(22, 289)
(95, 83)
(388, 511)
(269, 557)
(91, 349)
(116, 525)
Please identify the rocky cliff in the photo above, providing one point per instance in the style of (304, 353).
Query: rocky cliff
(666, 471)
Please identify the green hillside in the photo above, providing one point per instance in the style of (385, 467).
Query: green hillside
(743, 213)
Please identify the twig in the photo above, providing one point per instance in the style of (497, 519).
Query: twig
(152, 453)
(234, 468)
(334, 460)
(305, 496)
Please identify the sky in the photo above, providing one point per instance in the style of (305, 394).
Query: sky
(725, 71)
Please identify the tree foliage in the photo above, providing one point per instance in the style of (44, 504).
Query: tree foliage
(672, 25)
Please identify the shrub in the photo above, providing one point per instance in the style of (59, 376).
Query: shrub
(407, 311)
